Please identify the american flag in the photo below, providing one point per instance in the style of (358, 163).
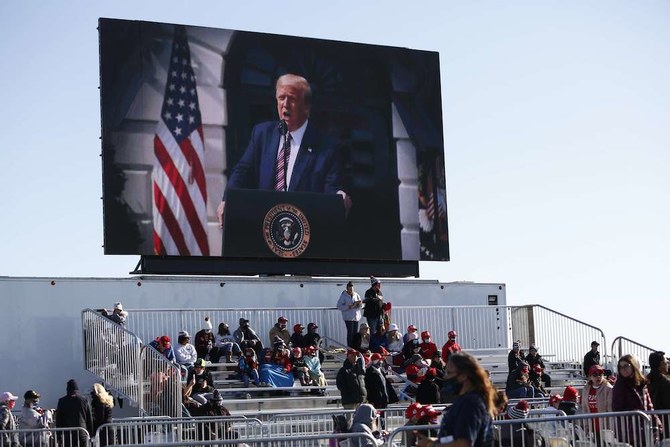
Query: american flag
(179, 189)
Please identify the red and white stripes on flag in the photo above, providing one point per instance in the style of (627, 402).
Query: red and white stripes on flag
(178, 178)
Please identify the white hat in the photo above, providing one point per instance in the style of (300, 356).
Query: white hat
(118, 306)
(393, 327)
(208, 324)
(184, 334)
(7, 396)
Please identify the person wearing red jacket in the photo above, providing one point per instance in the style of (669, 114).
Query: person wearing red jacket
(427, 347)
(451, 346)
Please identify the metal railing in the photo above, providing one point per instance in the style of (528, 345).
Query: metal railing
(161, 385)
(117, 356)
(559, 338)
(167, 429)
(622, 346)
(112, 353)
(45, 437)
(633, 428)
(198, 433)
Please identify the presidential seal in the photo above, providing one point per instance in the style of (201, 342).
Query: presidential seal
(286, 230)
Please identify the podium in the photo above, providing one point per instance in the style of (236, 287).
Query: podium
(283, 224)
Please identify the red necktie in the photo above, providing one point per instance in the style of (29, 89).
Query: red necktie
(281, 167)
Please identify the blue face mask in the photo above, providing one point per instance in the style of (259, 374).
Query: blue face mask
(36, 403)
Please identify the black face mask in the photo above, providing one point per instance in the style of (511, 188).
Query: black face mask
(452, 386)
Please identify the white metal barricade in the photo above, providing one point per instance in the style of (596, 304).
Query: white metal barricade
(319, 440)
(616, 429)
(166, 430)
(45, 437)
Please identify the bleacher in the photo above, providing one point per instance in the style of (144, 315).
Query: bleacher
(127, 378)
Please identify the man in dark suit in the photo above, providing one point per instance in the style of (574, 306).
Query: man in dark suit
(310, 161)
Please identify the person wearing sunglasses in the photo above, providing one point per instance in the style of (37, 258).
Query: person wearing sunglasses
(630, 393)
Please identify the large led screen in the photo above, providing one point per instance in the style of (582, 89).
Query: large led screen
(196, 160)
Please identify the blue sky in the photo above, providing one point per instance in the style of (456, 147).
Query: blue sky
(556, 118)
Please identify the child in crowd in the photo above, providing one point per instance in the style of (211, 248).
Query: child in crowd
(248, 367)
(299, 367)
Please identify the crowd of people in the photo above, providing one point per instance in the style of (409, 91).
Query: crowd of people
(378, 355)
(73, 411)
(291, 359)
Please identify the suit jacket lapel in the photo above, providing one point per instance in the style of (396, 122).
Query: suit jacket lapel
(269, 159)
(305, 155)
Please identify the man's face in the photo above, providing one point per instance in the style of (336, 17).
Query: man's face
(291, 106)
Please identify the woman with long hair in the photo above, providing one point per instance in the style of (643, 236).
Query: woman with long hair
(468, 421)
(101, 404)
(630, 393)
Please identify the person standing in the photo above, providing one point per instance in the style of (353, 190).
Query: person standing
(630, 393)
(597, 398)
(350, 304)
(659, 385)
(34, 418)
(591, 358)
(469, 420)
(7, 422)
(118, 315)
(375, 382)
(373, 304)
(350, 380)
(73, 411)
(301, 158)
(102, 403)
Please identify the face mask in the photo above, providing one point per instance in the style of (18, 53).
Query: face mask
(453, 386)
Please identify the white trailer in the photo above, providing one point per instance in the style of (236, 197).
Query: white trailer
(40, 322)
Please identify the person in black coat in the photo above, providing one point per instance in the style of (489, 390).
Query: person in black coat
(350, 380)
(101, 405)
(591, 358)
(73, 410)
(375, 383)
(428, 391)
